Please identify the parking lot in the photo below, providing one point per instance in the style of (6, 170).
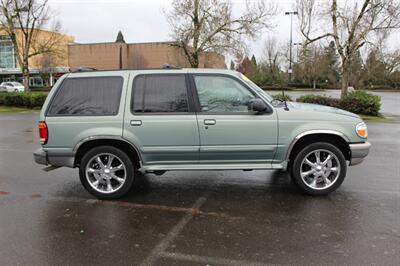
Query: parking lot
(197, 218)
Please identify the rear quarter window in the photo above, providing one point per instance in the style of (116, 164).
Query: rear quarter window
(89, 96)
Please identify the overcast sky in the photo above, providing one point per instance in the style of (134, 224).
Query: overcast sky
(140, 20)
(144, 21)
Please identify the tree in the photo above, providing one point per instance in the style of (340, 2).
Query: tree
(311, 66)
(356, 68)
(270, 68)
(120, 37)
(253, 72)
(232, 65)
(350, 26)
(199, 26)
(28, 17)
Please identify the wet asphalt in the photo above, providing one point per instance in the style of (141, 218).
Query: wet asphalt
(197, 218)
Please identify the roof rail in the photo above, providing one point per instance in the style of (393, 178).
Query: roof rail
(84, 69)
(169, 66)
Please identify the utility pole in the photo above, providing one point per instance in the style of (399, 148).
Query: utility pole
(291, 13)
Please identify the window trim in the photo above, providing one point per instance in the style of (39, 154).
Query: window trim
(197, 100)
(189, 96)
(59, 88)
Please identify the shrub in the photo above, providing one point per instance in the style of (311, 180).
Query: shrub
(361, 102)
(317, 99)
(282, 97)
(28, 100)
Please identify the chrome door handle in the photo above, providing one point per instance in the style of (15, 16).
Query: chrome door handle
(210, 122)
(136, 123)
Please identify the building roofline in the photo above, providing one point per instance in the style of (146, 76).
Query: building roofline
(137, 43)
(50, 31)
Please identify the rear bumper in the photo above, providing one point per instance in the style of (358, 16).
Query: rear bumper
(54, 158)
(40, 156)
(358, 152)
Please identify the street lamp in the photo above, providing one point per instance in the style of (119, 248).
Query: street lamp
(291, 13)
(297, 49)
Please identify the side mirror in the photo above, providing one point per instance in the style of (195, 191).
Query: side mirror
(257, 105)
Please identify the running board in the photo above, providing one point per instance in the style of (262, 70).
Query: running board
(180, 167)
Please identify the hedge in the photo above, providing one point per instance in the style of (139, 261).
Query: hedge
(318, 99)
(27, 100)
(282, 97)
(359, 102)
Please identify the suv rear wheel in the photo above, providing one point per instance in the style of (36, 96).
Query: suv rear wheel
(319, 168)
(106, 172)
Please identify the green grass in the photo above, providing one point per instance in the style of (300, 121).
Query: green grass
(10, 109)
(381, 118)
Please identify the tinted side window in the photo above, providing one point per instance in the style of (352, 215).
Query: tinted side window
(160, 93)
(222, 94)
(88, 96)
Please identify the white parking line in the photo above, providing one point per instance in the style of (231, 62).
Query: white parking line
(211, 260)
(170, 237)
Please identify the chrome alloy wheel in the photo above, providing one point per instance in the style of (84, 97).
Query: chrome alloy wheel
(320, 169)
(106, 173)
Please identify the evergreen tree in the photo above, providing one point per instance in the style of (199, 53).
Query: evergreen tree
(253, 72)
(120, 37)
(355, 66)
(331, 70)
(253, 61)
(375, 70)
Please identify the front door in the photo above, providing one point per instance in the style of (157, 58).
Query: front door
(230, 133)
(160, 122)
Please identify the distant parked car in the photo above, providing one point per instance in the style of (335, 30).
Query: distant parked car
(12, 86)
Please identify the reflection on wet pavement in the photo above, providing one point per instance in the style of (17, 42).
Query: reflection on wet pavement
(197, 218)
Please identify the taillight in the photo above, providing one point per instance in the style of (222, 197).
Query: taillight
(43, 132)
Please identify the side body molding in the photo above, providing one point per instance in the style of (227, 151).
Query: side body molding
(311, 132)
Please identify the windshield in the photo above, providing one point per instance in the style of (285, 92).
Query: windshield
(254, 86)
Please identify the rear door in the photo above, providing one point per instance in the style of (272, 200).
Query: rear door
(230, 133)
(160, 120)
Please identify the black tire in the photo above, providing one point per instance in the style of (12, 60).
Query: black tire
(121, 155)
(297, 164)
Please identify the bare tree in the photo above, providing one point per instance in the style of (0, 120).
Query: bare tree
(272, 56)
(199, 26)
(350, 25)
(22, 21)
(271, 52)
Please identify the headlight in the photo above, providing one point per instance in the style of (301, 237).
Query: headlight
(362, 130)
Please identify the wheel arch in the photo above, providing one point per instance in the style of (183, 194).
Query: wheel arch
(335, 138)
(88, 143)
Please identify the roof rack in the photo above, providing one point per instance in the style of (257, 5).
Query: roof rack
(84, 69)
(169, 66)
(90, 69)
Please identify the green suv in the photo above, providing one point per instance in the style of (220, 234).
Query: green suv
(113, 125)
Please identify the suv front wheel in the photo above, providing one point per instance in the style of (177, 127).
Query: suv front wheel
(106, 172)
(319, 168)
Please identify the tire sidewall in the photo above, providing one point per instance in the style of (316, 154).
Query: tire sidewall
(129, 172)
(295, 170)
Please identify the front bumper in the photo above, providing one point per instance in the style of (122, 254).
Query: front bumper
(54, 158)
(358, 152)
